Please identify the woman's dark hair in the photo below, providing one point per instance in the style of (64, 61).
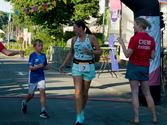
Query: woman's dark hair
(143, 23)
(82, 24)
(37, 41)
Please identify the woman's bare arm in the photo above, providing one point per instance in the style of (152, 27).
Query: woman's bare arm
(95, 44)
(12, 52)
(127, 52)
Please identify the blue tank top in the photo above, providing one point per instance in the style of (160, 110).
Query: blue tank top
(79, 49)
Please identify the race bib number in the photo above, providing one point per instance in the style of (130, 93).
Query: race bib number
(84, 67)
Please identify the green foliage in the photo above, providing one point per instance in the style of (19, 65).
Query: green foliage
(3, 19)
(85, 8)
(68, 34)
(99, 38)
(29, 50)
(44, 36)
(47, 25)
(57, 13)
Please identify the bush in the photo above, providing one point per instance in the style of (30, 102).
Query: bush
(59, 40)
(99, 38)
(67, 35)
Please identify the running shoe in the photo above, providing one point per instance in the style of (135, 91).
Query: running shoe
(79, 123)
(44, 115)
(82, 116)
(23, 107)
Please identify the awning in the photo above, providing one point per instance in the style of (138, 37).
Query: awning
(143, 7)
(163, 1)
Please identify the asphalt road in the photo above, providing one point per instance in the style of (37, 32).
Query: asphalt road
(109, 102)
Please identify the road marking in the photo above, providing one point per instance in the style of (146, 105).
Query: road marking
(21, 73)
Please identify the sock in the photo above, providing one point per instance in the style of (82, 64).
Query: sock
(82, 115)
(43, 109)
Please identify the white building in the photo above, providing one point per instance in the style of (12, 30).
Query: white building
(6, 6)
(164, 10)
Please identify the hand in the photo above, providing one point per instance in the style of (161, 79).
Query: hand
(120, 40)
(21, 53)
(61, 69)
(46, 67)
(87, 51)
(33, 68)
(39, 66)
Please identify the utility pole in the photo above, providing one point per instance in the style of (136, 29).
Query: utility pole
(104, 14)
(9, 19)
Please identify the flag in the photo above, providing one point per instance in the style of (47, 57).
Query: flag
(35, 9)
(115, 5)
(114, 61)
(44, 6)
(114, 16)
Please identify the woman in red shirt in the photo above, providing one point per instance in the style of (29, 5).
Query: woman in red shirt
(9, 52)
(140, 50)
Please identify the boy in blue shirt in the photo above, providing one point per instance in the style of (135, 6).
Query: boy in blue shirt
(37, 64)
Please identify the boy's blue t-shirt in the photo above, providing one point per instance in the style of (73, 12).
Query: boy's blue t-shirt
(36, 59)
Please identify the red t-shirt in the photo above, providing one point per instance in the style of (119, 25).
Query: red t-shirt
(1, 47)
(142, 45)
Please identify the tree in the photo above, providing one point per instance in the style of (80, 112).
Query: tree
(49, 16)
(83, 9)
(57, 12)
(3, 19)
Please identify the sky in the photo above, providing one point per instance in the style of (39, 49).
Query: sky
(5, 6)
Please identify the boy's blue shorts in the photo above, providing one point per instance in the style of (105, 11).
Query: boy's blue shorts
(88, 76)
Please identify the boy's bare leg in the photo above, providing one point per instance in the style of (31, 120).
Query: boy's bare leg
(28, 97)
(42, 99)
(43, 113)
(25, 101)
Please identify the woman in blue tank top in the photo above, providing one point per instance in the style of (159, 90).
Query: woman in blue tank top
(83, 48)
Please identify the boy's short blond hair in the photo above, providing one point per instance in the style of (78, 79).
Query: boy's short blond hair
(36, 41)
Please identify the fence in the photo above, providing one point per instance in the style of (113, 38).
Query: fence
(58, 55)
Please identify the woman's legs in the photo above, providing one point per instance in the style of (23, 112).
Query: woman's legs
(135, 101)
(85, 89)
(81, 96)
(78, 93)
(149, 99)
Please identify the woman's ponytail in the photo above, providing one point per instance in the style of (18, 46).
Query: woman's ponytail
(81, 23)
(87, 30)
(148, 25)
